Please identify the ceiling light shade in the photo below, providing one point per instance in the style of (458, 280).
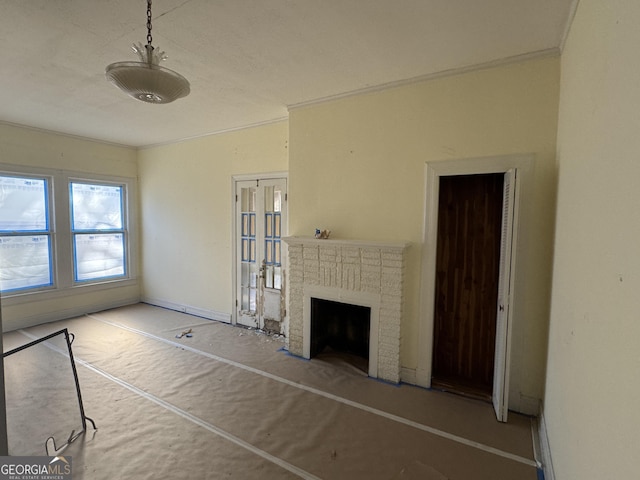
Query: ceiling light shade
(146, 80)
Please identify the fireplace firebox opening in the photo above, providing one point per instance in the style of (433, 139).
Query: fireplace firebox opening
(340, 327)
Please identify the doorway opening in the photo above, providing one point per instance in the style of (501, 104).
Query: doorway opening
(516, 172)
(260, 224)
(470, 214)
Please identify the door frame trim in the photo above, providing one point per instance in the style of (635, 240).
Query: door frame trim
(523, 163)
(234, 226)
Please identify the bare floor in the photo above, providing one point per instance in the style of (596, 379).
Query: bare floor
(231, 403)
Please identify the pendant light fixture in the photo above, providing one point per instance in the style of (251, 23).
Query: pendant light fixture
(146, 80)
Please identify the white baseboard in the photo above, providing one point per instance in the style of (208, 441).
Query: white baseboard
(197, 311)
(64, 314)
(528, 406)
(542, 447)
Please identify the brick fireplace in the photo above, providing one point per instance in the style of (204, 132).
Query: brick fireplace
(354, 272)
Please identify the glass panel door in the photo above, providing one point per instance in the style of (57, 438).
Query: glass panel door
(260, 219)
(249, 269)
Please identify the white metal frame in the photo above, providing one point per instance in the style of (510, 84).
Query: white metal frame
(433, 171)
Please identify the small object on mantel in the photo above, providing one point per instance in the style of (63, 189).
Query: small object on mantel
(322, 234)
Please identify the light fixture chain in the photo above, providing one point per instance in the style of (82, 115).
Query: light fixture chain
(149, 38)
(146, 80)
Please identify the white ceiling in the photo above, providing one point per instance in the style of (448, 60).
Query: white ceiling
(247, 60)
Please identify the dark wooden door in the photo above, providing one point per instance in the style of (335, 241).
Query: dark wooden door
(467, 271)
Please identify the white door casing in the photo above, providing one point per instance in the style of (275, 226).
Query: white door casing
(501, 367)
(260, 219)
(433, 172)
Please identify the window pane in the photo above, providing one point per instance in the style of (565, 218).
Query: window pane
(252, 253)
(248, 199)
(252, 300)
(252, 225)
(268, 251)
(277, 278)
(276, 252)
(268, 225)
(99, 256)
(245, 299)
(253, 275)
(277, 225)
(277, 200)
(245, 224)
(245, 250)
(244, 280)
(24, 262)
(96, 207)
(23, 204)
(268, 276)
(268, 199)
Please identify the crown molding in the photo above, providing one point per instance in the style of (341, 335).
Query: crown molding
(549, 52)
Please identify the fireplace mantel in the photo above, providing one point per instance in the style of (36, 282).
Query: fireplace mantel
(344, 242)
(352, 271)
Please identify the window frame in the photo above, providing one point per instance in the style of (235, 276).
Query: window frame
(62, 254)
(48, 232)
(123, 230)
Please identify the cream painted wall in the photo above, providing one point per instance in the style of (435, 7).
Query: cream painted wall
(357, 167)
(592, 397)
(37, 149)
(186, 210)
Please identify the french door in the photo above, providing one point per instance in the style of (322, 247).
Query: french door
(261, 219)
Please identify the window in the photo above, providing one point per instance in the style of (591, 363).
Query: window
(60, 231)
(25, 233)
(97, 226)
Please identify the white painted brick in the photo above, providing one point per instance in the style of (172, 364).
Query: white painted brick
(351, 278)
(389, 332)
(310, 253)
(390, 287)
(393, 264)
(370, 257)
(328, 254)
(350, 255)
(370, 283)
(295, 277)
(392, 269)
(311, 269)
(363, 268)
(371, 270)
(387, 298)
(393, 255)
(295, 347)
(370, 277)
(391, 311)
(328, 275)
(327, 265)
